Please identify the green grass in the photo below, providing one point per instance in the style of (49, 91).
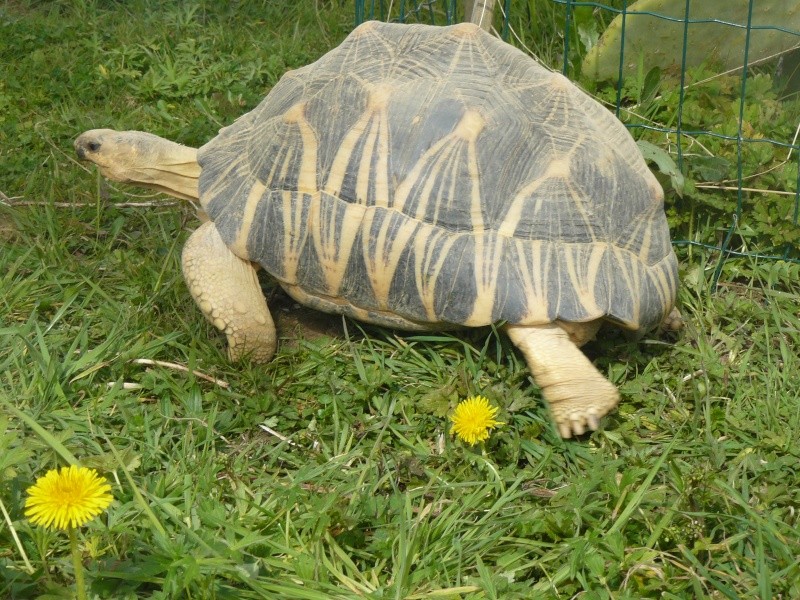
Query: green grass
(690, 489)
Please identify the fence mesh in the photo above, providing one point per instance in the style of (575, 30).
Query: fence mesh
(710, 89)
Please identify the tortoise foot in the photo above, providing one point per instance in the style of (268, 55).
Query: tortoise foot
(577, 394)
(576, 417)
(672, 322)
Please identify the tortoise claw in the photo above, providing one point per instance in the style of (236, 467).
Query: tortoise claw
(594, 421)
(577, 427)
(578, 423)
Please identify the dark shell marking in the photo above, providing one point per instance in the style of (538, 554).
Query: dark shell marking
(419, 176)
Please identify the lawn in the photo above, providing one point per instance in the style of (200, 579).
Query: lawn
(331, 472)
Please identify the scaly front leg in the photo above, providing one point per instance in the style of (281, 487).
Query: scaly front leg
(226, 289)
(578, 395)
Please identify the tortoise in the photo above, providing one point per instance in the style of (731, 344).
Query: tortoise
(418, 178)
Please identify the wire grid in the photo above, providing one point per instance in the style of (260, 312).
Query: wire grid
(444, 12)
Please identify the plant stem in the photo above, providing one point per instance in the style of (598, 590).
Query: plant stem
(77, 564)
(10, 525)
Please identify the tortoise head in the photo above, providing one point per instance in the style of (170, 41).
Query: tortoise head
(143, 159)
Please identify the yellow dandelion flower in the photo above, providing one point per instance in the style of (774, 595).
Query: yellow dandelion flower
(67, 498)
(473, 419)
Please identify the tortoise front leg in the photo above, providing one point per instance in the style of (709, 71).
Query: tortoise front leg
(226, 289)
(578, 395)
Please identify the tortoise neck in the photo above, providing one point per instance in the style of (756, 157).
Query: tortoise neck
(175, 172)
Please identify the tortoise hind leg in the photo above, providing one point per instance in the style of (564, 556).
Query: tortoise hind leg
(226, 289)
(578, 395)
(672, 322)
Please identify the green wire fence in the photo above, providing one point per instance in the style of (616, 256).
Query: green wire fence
(724, 134)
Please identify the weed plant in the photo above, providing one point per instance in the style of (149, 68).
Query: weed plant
(330, 473)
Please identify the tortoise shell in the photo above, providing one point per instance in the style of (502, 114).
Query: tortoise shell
(420, 176)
